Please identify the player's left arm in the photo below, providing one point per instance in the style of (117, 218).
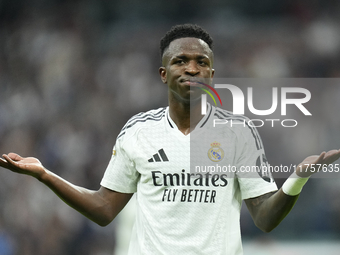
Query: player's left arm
(270, 209)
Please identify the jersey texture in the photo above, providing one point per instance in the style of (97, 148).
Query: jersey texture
(182, 209)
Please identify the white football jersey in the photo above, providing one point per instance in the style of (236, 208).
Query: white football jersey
(181, 207)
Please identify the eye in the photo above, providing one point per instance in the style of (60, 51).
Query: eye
(179, 62)
(202, 63)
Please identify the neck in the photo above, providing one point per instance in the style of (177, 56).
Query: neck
(186, 115)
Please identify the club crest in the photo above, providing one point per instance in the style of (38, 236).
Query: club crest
(215, 153)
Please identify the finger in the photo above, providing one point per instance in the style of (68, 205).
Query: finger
(332, 152)
(9, 160)
(3, 162)
(320, 158)
(15, 166)
(15, 156)
(332, 156)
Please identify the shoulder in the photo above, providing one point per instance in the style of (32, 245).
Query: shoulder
(240, 125)
(226, 119)
(143, 119)
(228, 115)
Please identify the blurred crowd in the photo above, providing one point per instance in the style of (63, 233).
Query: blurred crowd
(73, 72)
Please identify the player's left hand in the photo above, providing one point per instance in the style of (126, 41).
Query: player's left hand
(313, 164)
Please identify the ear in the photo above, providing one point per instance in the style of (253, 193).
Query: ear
(162, 73)
(212, 73)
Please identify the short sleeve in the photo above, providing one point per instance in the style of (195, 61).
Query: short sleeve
(252, 165)
(121, 174)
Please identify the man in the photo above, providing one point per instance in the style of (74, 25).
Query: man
(151, 157)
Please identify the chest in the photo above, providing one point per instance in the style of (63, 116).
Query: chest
(170, 153)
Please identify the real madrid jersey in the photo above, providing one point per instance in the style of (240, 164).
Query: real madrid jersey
(188, 201)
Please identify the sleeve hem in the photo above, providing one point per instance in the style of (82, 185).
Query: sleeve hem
(259, 192)
(118, 188)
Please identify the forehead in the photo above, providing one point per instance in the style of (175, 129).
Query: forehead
(188, 45)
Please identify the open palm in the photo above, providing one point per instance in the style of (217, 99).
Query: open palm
(29, 166)
(313, 164)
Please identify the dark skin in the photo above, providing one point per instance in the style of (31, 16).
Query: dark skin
(100, 206)
(185, 58)
(270, 209)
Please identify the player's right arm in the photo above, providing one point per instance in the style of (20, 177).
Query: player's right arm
(100, 206)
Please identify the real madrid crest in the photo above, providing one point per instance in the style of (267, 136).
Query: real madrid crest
(215, 153)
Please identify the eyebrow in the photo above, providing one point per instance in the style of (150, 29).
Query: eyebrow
(182, 56)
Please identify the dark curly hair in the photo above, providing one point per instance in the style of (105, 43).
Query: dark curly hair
(186, 30)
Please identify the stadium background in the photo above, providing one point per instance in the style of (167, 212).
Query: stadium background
(73, 72)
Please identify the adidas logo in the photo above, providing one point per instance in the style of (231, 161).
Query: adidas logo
(159, 157)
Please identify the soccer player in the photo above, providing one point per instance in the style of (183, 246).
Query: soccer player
(180, 212)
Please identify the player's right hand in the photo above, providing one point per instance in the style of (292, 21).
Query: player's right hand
(29, 166)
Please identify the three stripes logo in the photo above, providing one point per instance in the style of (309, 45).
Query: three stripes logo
(160, 156)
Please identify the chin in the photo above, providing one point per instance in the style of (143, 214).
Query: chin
(192, 97)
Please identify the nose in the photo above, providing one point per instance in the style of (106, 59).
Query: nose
(192, 68)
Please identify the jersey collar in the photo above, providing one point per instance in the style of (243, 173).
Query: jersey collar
(201, 123)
